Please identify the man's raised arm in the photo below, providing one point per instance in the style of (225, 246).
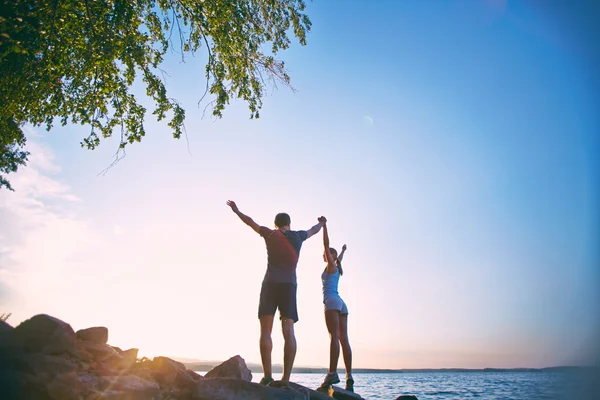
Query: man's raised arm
(245, 219)
(316, 228)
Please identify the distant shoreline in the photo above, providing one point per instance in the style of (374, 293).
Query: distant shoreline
(255, 368)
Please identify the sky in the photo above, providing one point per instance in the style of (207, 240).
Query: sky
(453, 146)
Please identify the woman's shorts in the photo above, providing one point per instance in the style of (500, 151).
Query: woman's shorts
(335, 303)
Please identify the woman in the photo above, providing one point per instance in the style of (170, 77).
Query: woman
(336, 313)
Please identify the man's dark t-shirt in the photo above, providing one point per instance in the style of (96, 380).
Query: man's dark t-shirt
(283, 250)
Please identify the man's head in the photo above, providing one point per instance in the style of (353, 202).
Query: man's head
(282, 220)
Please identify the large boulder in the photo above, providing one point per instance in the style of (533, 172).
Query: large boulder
(407, 397)
(5, 326)
(116, 363)
(65, 387)
(195, 376)
(313, 394)
(96, 334)
(40, 363)
(98, 351)
(126, 387)
(128, 359)
(233, 389)
(132, 383)
(235, 367)
(117, 395)
(341, 394)
(169, 372)
(43, 333)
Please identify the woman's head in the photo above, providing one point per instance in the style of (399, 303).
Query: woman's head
(333, 252)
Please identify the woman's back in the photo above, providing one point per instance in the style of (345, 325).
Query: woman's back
(330, 283)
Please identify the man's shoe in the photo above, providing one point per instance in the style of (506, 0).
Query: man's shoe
(350, 384)
(265, 381)
(330, 379)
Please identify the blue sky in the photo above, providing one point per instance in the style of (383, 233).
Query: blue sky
(452, 145)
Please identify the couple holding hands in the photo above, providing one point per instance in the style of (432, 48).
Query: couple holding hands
(279, 292)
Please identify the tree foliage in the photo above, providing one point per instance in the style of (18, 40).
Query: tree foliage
(74, 61)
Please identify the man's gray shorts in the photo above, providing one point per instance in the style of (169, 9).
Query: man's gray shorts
(335, 303)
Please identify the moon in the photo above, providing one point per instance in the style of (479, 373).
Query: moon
(368, 120)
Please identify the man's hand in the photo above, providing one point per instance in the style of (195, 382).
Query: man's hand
(322, 221)
(233, 206)
(344, 248)
(245, 219)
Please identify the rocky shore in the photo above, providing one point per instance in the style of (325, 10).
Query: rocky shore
(43, 358)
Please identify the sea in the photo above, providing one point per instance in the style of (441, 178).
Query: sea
(529, 385)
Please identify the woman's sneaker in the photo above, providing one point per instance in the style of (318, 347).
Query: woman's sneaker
(330, 379)
(350, 384)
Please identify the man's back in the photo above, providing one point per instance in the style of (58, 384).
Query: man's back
(283, 249)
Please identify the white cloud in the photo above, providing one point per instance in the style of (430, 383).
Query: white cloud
(41, 234)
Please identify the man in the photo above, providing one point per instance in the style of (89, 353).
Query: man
(278, 288)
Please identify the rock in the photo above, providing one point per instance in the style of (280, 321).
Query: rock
(131, 383)
(65, 387)
(407, 397)
(43, 333)
(128, 359)
(99, 352)
(232, 388)
(170, 372)
(235, 367)
(194, 375)
(327, 391)
(44, 363)
(5, 326)
(92, 382)
(24, 386)
(117, 395)
(342, 394)
(97, 334)
(116, 363)
(313, 394)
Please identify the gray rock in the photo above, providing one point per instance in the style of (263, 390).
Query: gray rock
(117, 349)
(128, 359)
(65, 387)
(235, 367)
(407, 397)
(5, 326)
(117, 395)
(97, 334)
(44, 363)
(341, 394)
(132, 383)
(194, 375)
(43, 333)
(170, 372)
(232, 389)
(313, 394)
(99, 351)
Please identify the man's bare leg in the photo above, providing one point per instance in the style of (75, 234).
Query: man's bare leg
(266, 344)
(289, 348)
